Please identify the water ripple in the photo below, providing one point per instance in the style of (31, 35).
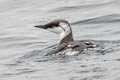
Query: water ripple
(78, 7)
(112, 18)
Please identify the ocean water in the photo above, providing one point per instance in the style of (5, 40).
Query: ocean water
(23, 47)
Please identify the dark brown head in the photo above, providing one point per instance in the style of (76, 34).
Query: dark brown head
(60, 27)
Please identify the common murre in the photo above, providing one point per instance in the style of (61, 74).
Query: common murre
(67, 45)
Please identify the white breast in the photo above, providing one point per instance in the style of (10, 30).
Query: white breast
(72, 52)
(68, 52)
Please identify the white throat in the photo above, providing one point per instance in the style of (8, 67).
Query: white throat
(62, 35)
(65, 30)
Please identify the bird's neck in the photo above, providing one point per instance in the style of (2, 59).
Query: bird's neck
(66, 38)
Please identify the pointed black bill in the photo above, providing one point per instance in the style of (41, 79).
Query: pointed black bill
(41, 26)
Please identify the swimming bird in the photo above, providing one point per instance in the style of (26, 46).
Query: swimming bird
(67, 45)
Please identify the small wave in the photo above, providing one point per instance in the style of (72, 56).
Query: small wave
(113, 18)
(105, 47)
(32, 62)
(81, 6)
(101, 48)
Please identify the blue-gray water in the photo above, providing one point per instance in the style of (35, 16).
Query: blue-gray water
(22, 46)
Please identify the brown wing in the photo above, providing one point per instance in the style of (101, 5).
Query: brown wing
(88, 43)
(79, 46)
(61, 47)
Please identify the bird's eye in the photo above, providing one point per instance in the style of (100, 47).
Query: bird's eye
(56, 24)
